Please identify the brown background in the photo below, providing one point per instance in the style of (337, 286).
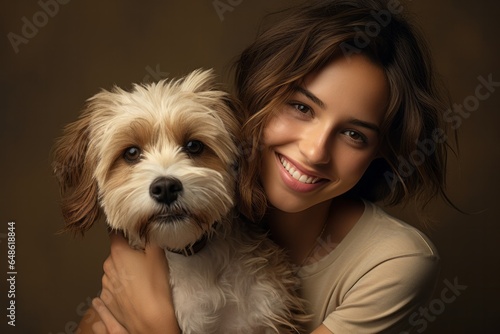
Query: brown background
(87, 45)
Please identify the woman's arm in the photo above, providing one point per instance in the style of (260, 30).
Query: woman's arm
(136, 295)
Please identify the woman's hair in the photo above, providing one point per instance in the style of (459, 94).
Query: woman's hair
(307, 38)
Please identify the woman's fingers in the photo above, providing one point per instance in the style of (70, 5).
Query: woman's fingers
(108, 323)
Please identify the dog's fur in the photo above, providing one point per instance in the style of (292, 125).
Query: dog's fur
(159, 162)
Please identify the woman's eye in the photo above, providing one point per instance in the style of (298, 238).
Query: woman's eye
(132, 154)
(194, 147)
(301, 107)
(355, 136)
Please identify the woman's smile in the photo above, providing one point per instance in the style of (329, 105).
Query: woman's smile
(295, 177)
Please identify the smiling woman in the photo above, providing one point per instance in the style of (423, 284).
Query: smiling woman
(325, 126)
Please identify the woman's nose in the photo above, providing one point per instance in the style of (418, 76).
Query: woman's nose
(315, 146)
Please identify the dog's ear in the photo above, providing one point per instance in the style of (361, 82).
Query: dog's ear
(73, 168)
(199, 81)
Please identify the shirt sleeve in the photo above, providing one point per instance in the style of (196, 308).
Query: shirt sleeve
(387, 297)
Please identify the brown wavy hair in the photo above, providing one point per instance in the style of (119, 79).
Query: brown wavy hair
(308, 37)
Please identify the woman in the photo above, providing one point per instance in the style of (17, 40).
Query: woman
(341, 108)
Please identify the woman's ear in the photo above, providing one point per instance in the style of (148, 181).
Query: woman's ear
(73, 167)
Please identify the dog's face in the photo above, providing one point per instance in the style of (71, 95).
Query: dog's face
(158, 160)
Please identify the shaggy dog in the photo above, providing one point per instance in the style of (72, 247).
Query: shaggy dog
(160, 163)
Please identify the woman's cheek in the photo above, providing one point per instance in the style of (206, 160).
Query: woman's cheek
(278, 130)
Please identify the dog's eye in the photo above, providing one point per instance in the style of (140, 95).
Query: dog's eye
(132, 154)
(194, 147)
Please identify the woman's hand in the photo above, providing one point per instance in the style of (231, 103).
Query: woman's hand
(136, 295)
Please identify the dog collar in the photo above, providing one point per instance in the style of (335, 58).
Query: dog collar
(192, 248)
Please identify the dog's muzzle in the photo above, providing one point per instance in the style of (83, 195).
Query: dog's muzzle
(165, 190)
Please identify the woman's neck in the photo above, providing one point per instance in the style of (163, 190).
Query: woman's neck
(298, 232)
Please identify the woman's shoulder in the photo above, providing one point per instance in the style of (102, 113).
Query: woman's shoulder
(392, 236)
(375, 238)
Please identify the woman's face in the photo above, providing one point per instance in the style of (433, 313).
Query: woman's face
(323, 139)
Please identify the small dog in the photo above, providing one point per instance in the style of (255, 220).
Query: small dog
(160, 163)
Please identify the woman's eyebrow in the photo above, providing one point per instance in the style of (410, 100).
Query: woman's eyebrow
(310, 96)
(364, 124)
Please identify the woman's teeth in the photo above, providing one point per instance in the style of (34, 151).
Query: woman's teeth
(296, 174)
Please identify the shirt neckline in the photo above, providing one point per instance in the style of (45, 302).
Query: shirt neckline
(313, 268)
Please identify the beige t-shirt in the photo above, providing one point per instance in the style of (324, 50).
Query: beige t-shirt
(375, 280)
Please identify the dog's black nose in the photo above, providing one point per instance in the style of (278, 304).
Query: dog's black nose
(165, 190)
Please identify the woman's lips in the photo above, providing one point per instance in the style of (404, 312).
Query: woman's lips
(296, 173)
(295, 178)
